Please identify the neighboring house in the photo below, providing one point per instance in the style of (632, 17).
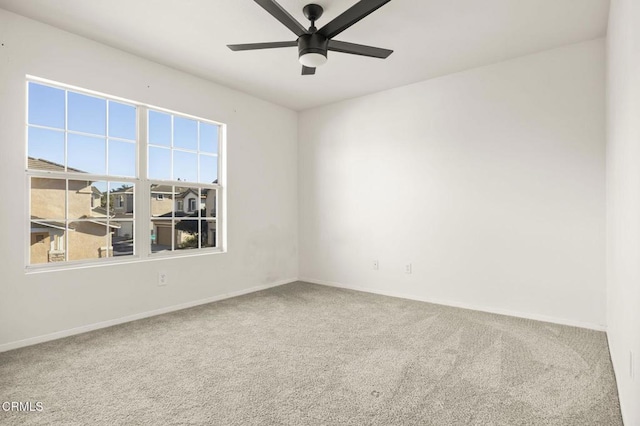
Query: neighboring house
(88, 235)
(121, 201)
(161, 200)
(186, 204)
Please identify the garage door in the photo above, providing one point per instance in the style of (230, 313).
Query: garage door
(164, 236)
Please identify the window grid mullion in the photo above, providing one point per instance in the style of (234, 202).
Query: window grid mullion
(171, 146)
(198, 154)
(79, 133)
(142, 197)
(66, 185)
(106, 142)
(109, 237)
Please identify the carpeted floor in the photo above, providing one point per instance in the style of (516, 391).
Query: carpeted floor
(303, 354)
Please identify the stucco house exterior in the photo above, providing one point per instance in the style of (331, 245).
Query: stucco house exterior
(122, 205)
(88, 235)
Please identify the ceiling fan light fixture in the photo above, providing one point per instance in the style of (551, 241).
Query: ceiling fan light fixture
(312, 60)
(312, 50)
(313, 43)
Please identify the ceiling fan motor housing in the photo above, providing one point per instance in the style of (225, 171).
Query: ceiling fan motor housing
(313, 43)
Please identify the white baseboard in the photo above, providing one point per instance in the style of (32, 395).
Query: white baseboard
(104, 324)
(536, 317)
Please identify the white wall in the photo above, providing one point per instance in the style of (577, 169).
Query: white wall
(491, 182)
(623, 201)
(262, 189)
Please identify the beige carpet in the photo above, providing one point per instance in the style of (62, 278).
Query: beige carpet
(303, 354)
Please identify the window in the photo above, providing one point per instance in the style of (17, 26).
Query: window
(184, 151)
(88, 184)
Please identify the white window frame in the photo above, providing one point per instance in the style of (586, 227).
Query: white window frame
(141, 197)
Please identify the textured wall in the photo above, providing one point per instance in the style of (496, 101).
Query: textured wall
(490, 182)
(623, 202)
(261, 177)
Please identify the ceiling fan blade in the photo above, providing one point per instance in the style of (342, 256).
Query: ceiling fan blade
(359, 49)
(349, 17)
(256, 46)
(283, 16)
(308, 71)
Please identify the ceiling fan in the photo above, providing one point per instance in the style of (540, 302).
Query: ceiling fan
(314, 43)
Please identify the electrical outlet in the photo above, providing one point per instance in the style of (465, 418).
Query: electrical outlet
(407, 268)
(376, 266)
(162, 279)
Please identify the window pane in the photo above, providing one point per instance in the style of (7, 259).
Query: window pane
(121, 200)
(46, 106)
(46, 149)
(161, 202)
(86, 199)
(186, 234)
(159, 163)
(48, 198)
(185, 166)
(123, 236)
(188, 202)
(122, 158)
(185, 133)
(161, 235)
(209, 138)
(86, 154)
(47, 242)
(208, 233)
(89, 240)
(87, 114)
(208, 169)
(208, 200)
(159, 128)
(122, 121)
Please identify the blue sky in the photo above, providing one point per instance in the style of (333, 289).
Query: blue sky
(88, 151)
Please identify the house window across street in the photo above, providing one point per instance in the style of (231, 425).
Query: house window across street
(88, 182)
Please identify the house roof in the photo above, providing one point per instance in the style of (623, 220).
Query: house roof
(178, 214)
(40, 164)
(49, 223)
(185, 191)
(100, 211)
(123, 216)
(161, 189)
(98, 221)
(127, 190)
(110, 224)
(95, 190)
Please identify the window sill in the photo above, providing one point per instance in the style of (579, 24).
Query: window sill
(84, 264)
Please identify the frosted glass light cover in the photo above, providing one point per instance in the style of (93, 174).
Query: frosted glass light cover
(312, 60)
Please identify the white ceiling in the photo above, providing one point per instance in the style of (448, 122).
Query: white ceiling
(430, 38)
